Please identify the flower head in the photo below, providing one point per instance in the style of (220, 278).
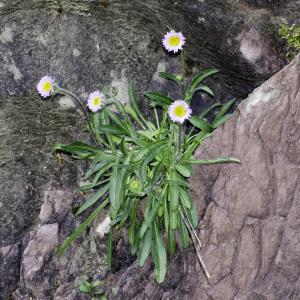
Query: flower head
(95, 101)
(173, 41)
(135, 186)
(104, 226)
(46, 86)
(179, 111)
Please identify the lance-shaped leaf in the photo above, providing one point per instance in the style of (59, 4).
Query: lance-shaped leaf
(159, 99)
(159, 255)
(220, 160)
(92, 199)
(145, 247)
(197, 80)
(201, 123)
(223, 111)
(171, 76)
(134, 102)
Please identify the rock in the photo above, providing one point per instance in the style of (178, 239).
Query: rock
(9, 269)
(44, 273)
(39, 251)
(67, 292)
(56, 205)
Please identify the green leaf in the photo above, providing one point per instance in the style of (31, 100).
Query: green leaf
(94, 168)
(102, 171)
(148, 220)
(109, 248)
(123, 147)
(85, 287)
(145, 247)
(166, 214)
(171, 241)
(177, 182)
(133, 102)
(103, 156)
(92, 199)
(221, 121)
(89, 186)
(159, 99)
(105, 122)
(75, 147)
(184, 171)
(171, 76)
(184, 234)
(112, 130)
(149, 134)
(220, 160)
(197, 80)
(193, 215)
(173, 192)
(206, 89)
(201, 123)
(185, 198)
(157, 172)
(223, 110)
(116, 119)
(208, 110)
(173, 219)
(116, 189)
(152, 154)
(95, 122)
(81, 228)
(159, 256)
(132, 228)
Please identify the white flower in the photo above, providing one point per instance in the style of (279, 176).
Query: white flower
(179, 111)
(46, 86)
(173, 41)
(95, 101)
(104, 226)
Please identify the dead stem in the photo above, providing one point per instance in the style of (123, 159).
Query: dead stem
(196, 242)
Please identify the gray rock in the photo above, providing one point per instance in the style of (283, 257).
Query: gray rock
(56, 205)
(34, 272)
(9, 269)
(67, 292)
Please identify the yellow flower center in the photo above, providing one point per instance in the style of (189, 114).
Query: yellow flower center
(174, 41)
(96, 101)
(47, 86)
(180, 111)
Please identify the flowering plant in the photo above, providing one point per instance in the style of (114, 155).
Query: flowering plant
(139, 167)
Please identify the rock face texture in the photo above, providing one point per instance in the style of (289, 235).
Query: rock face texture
(86, 45)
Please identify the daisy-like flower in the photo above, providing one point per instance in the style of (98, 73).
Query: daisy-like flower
(179, 111)
(173, 41)
(104, 226)
(46, 86)
(95, 101)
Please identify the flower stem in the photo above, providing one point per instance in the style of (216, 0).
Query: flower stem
(156, 117)
(81, 106)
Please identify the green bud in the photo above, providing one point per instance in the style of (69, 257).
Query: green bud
(179, 77)
(135, 186)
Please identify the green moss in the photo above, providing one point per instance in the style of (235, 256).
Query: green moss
(292, 36)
